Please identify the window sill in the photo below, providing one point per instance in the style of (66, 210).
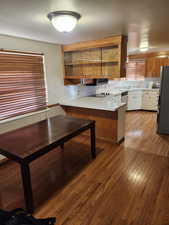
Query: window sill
(23, 116)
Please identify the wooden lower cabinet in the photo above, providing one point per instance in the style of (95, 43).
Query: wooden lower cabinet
(108, 127)
(150, 100)
(143, 100)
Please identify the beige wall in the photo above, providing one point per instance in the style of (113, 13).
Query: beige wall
(54, 77)
(53, 61)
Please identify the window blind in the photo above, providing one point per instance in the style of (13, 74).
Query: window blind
(136, 68)
(22, 85)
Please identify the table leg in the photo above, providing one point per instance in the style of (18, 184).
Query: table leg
(27, 186)
(93, 141)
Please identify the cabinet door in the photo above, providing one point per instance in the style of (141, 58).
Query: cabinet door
(154, 66)
(134, 100)
(150, 100)
(104, 58)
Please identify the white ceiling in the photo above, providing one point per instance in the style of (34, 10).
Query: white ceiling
(144, 21)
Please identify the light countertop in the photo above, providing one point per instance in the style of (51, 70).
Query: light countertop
(138, 89)
(144, 89)
(119, 91)
(100, 103)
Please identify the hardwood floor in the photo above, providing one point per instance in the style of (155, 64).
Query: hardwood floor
(127, 184)
(141, 134)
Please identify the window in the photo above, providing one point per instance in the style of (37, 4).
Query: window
(22, 86)
(136, 68)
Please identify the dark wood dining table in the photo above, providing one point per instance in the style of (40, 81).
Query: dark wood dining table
(26, 144)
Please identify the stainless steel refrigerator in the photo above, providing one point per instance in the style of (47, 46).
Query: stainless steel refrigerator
(163, 103)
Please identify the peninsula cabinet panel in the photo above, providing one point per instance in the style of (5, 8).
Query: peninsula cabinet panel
(104, 58)
(106, 121)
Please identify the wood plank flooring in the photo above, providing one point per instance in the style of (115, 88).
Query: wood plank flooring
(127, 184)
(141, 134)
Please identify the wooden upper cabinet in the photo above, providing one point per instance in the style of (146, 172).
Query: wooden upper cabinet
(114, 40)
(153, 62)
(153, 66)
(103, 58)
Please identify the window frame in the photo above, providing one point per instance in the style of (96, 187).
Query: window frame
(43, 74)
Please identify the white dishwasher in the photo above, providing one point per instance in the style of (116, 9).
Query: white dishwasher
(134, 100)
(124, 97)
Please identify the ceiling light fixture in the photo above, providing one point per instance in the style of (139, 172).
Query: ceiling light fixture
(144, 49)
(64, 21)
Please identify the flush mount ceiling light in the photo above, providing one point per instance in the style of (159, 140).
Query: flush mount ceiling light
(144, 45)
(144, 49)
(64, 21)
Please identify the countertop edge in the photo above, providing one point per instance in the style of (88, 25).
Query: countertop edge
(95, 108)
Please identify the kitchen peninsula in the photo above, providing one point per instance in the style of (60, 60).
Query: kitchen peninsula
(109, 116)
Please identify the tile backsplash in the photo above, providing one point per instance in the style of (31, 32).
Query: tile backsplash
(114, 85)
(76, 91)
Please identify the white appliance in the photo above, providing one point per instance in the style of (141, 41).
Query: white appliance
(124, 97)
